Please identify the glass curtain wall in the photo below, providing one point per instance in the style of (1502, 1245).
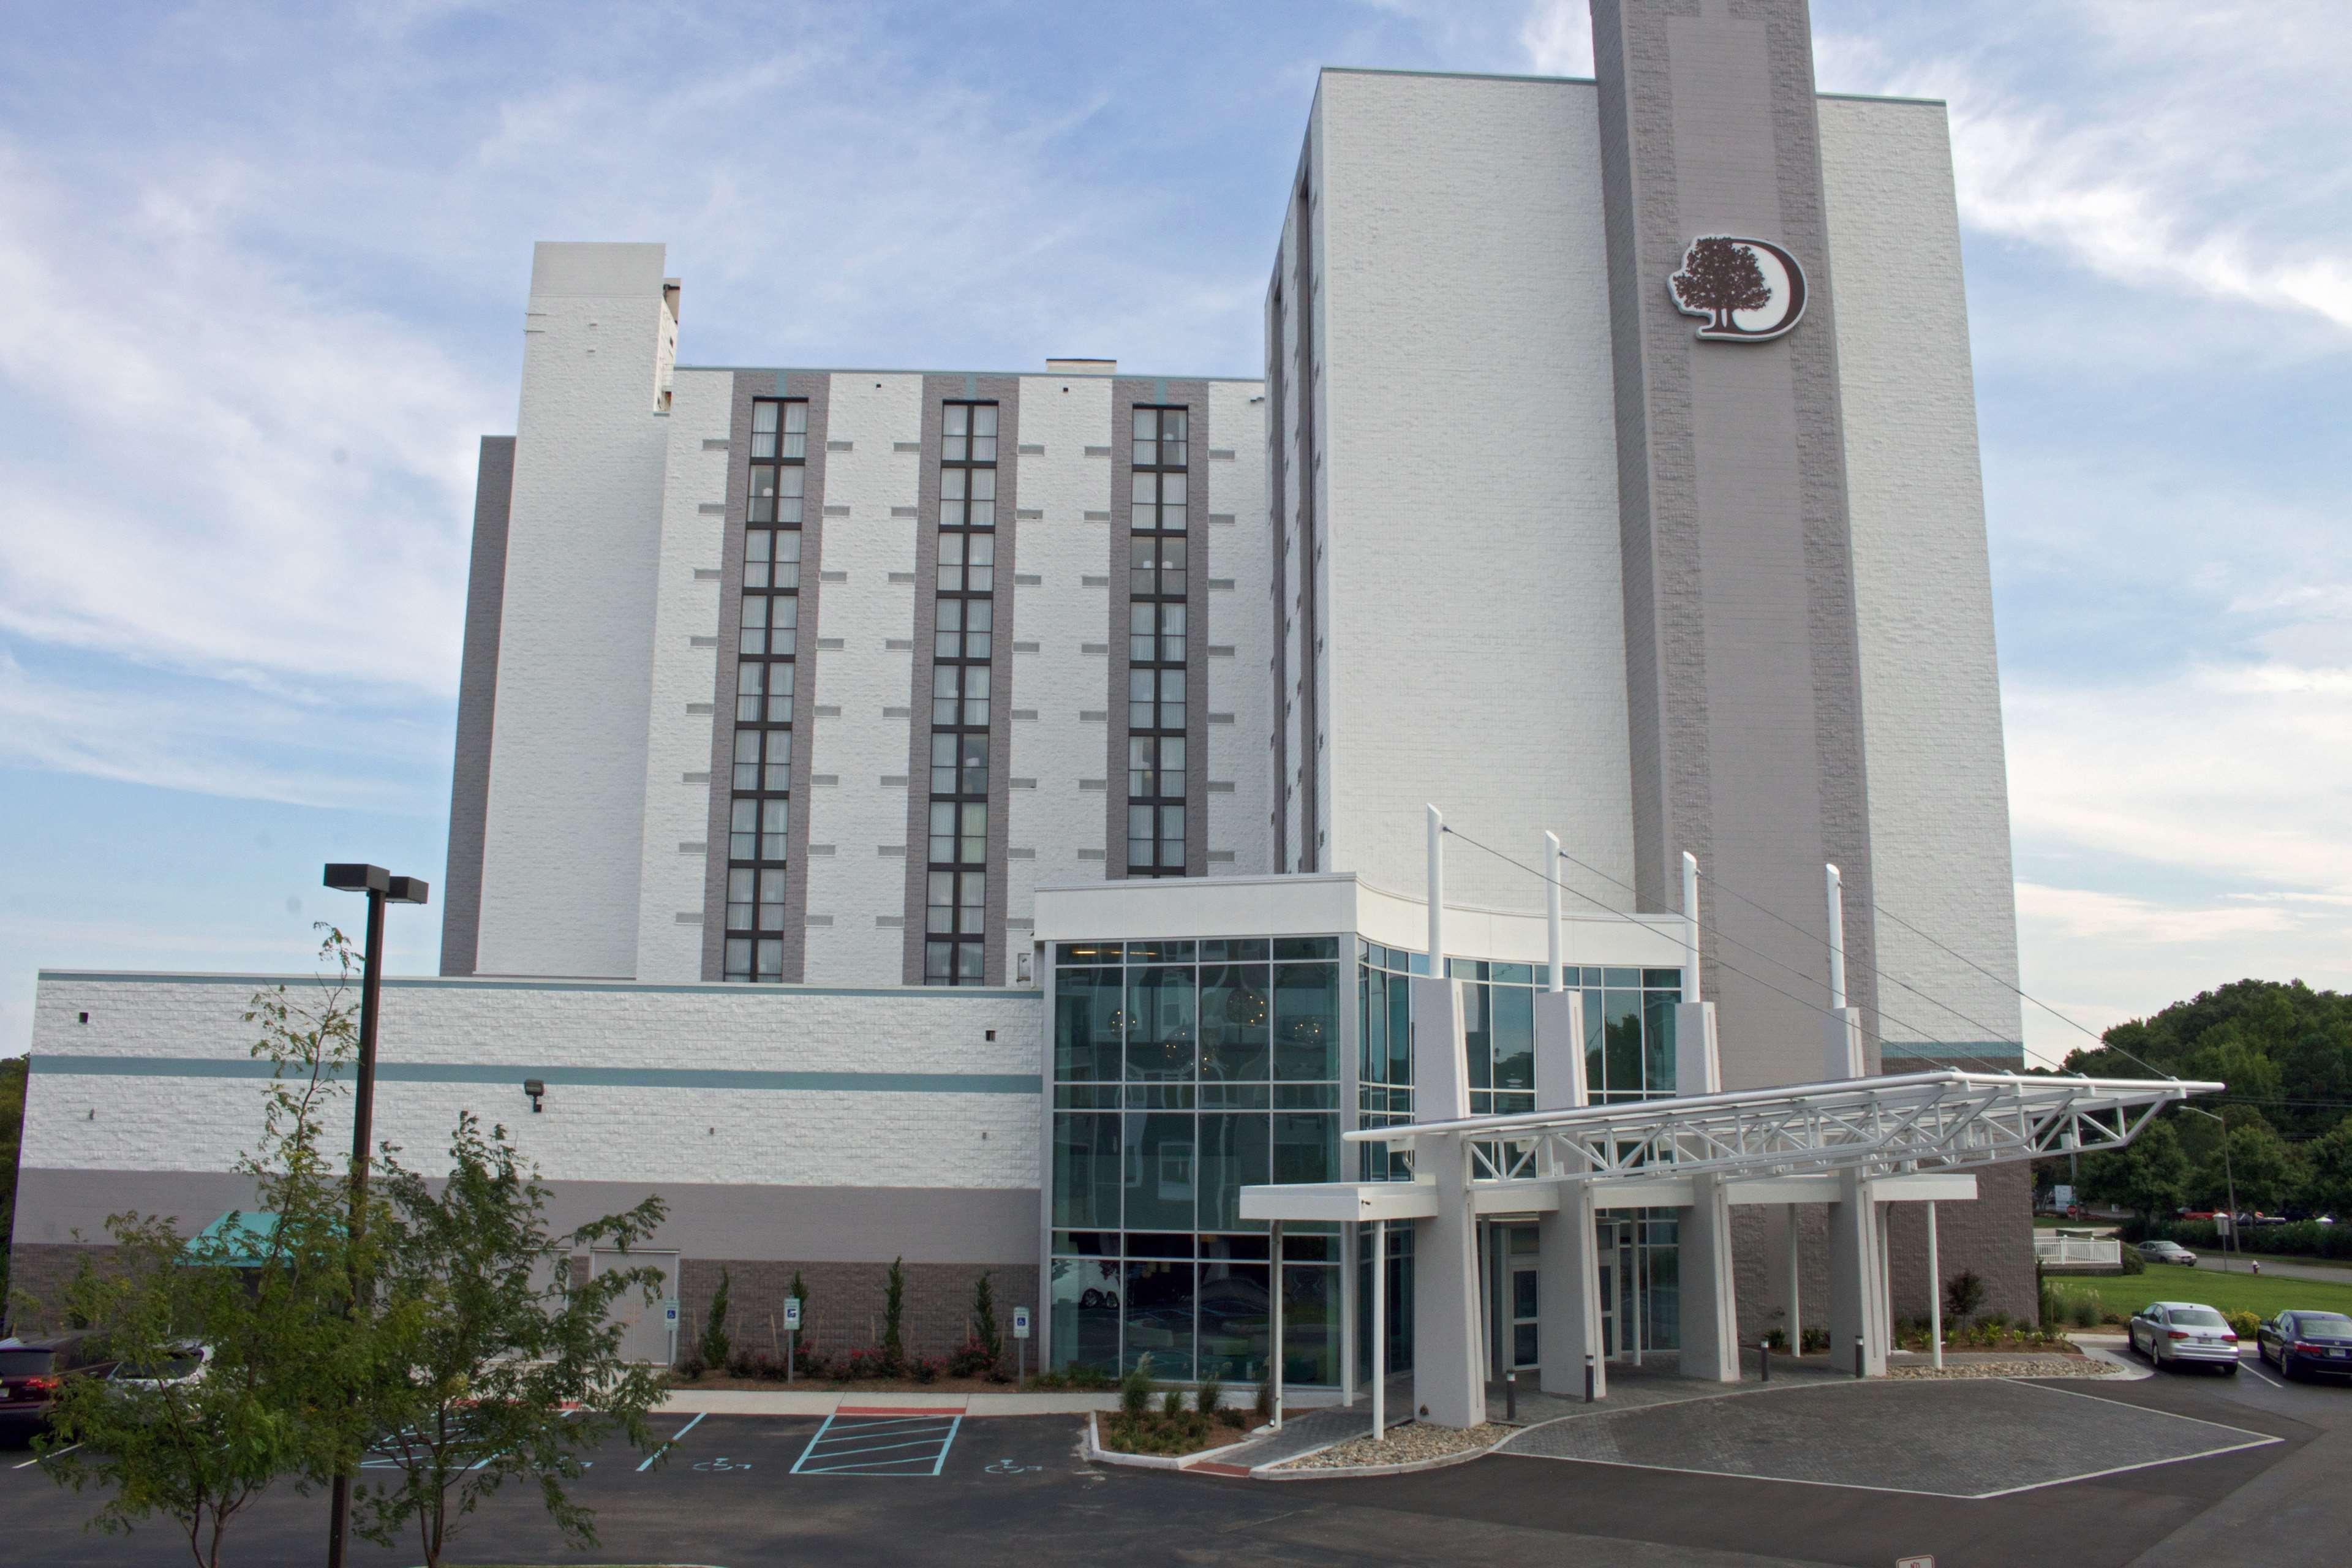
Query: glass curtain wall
(1184, 1071)
(1629, 1054)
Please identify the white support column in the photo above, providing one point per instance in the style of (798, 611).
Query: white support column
(1567, 1264)
(1934, 1296)
(1273, 1370)
(1885, 1276)
(1380, 1327)
(1449, 1379)
(1449, 1376)
(1710, 1347)
(1551, 910)
(1857, 1299)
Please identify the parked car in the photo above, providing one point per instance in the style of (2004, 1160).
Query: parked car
(33, 1369)
(2299, 1342)
(186, 1364)
(2172, 1333)
(2167, 1252)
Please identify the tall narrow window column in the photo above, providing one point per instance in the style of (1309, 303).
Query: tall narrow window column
(754, 920)
(1158, 815)
(962, 668)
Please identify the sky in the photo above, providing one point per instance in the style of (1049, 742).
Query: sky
(267, 266)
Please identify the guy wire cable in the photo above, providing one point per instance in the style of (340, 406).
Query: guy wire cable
(1956, 1055)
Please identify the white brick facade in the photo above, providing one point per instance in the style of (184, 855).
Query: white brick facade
(927, 1137)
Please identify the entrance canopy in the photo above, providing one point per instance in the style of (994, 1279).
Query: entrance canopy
(1782, 1144)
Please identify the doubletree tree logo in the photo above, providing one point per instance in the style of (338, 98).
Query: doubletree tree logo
(1747, 289)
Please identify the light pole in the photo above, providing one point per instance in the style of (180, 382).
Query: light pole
(380, 888)
(2229, 1180)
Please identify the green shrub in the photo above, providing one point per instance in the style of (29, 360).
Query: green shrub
(2133, 1262)
(1264, 1405)
(715, 1342)
(1963, 1293)
(1211, 1395)
(1171, 1403)
(894, 1317)
(2247, 1324)
(2084, 1314)
(1814, 1340)
(1135, 1388)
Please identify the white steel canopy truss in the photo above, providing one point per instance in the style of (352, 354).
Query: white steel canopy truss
(1914, 1121)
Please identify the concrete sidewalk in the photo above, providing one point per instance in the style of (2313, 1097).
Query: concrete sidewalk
(826, 1401)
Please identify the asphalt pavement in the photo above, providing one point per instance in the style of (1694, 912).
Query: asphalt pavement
(890, 1488)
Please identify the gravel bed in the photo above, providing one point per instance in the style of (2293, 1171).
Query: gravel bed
(1403, 1446)
(2037, 1366)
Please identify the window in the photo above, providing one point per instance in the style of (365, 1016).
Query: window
(1159, 438)
(1159, 502)
(1155, 699)
(1155, 766)
(1155, 633)
(963, 624)
(1155, 839)
(765, 418)
(959, 764)
(767, 637)
(1155, 568)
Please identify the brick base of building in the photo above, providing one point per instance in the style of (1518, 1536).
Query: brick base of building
(844, 1306)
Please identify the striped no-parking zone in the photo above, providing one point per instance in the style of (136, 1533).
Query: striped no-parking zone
(867, 1441)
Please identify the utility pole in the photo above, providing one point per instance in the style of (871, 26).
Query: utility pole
(2229, 1243)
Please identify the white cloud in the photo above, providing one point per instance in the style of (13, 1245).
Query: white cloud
(2177, 151)
(233, 475)
(220, 739)
(1556, 36)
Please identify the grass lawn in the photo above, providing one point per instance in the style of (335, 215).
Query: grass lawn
(2265, 1295)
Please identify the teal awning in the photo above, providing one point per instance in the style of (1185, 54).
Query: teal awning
(236, 1240)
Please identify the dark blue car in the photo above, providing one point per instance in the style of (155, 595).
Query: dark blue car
(2301, 1343)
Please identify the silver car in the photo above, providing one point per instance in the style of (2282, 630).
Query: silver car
(2175, 1333)
(2166, 1252)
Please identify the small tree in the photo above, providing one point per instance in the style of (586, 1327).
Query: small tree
(268, 1294)
(715, 1342)
(2328, 1184)
(983, 1320)
(484, 1337)
(1963, 1293)
(894, 1309)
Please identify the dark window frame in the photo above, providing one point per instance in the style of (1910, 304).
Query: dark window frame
(965, 593)
(753, 951)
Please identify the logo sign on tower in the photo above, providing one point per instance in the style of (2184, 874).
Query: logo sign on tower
(1747, 291)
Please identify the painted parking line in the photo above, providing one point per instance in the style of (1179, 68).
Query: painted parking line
(880, 1441)
(38, 1457)
(665, 1446)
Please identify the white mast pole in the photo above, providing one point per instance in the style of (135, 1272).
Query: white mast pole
(1436, 893)
(1690, 925)
(1837, 942)
(1552, 906)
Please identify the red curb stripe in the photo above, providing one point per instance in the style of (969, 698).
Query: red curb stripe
(896, 1410)
(1217, 1470)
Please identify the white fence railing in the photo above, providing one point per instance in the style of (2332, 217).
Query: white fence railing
(2082, 1251)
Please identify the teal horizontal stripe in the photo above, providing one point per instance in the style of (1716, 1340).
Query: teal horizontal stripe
(553, 1076)
(1987, 1051)
(473, 982)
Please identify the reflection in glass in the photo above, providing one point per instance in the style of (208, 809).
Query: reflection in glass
(1306, 1022)
(1085, 1312)
(1159, 1312)
(1085, 1172)
(1160, 1171)
(1235, 1023)
(1159, 1022)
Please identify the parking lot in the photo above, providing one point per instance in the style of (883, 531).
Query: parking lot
(901, 1486)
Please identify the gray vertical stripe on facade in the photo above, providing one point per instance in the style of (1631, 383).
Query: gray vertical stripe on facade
(937, 391)
(1310, 754)
(1736, 547)
(1193, 398)
(477, 695)
(1277, 449)
(815, 386)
